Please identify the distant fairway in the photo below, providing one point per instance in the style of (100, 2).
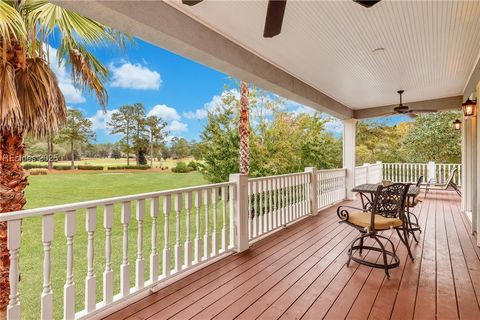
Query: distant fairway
(109, 162)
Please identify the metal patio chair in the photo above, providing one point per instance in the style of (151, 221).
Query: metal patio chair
(387, 212)
(443, 186)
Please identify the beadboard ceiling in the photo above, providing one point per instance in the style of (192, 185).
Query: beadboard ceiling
(430, 47)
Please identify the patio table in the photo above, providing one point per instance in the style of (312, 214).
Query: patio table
(367, 193)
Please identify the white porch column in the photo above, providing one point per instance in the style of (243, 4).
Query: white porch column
(476, 175)
(349, 135)
(470, 176)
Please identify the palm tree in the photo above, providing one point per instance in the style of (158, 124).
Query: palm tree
(30, 99)
(244, 129)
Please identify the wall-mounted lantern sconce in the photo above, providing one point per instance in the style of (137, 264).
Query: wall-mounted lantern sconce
(457, 124)
(469, 108)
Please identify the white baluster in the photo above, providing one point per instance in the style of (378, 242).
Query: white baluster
(188, 241)
(232, 199)
(178, 244)
(261, 210)
(167, 205)
(275, 208)
(224, 218)
(108, 273)
(255, 209)
(125, 266)
(154, 253)
(69, 287)
(13, 245)
(249, 210)
(215, 213)
(140, 261)
(283, 198)
(90, 280)
(198, 240)
(206, 237)
(47, 293)
(266, 214)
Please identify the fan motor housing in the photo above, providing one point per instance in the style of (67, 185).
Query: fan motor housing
(401, 109)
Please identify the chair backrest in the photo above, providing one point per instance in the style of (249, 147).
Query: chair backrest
(390, 201)
(419, 181)
(450, 177)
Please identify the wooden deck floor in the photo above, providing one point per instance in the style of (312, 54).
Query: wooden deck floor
(300, 273)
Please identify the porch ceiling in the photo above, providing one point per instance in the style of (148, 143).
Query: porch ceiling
(324, 56)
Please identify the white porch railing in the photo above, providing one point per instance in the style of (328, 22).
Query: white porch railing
(330, 187)
(182, 230)
(192, 225)
(368, 173)
(411, 172)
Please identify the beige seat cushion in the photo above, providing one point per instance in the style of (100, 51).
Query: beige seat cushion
(363, 219)
(412, 202)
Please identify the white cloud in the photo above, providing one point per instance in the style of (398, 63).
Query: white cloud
(298, 108)
(100, 119)
(177, 126)
(211, 106)
(135, 76)
(71, 94)
(165, 112)
(334, 125)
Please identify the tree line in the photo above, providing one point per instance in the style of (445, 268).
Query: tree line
(142, 136)
(284, 141)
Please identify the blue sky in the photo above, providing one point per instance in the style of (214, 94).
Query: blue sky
(177, 89)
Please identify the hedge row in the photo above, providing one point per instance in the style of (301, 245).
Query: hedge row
(28, 166)
(137, 167)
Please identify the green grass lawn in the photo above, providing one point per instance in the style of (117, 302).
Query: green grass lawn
(55, 189)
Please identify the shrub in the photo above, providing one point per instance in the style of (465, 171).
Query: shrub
(38, 172)
(134, 167)
(181, 167)
(82, 167)
(28, 166)
(62, 167)
(193, 165)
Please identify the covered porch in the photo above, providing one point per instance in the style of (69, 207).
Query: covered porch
(272, 247)
(300, 273)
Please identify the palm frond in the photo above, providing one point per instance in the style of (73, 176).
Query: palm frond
(87, 71)
(11, 117)
(12, 27)
(43, 105)
(75, 28)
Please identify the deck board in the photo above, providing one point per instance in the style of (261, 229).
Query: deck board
(300, 273)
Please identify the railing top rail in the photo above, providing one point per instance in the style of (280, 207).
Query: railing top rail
(15, 215)
(278, 176)
(422, 163)
(332, 170)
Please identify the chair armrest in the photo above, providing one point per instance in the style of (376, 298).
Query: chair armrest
(342, 211)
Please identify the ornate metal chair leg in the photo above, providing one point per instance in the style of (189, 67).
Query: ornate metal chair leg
(405, 241)
(361, 245)
(384, 253)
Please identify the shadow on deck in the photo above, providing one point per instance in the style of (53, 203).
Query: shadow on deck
(300, 272)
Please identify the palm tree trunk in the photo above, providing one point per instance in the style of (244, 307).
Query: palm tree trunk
(13, 181)
(72, 159)
(151, 151)
(50, 151)
(244, 129)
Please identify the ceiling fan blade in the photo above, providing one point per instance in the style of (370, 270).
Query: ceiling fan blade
(274, 18)
(191, 2)
(367, 3)
(424, 111)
